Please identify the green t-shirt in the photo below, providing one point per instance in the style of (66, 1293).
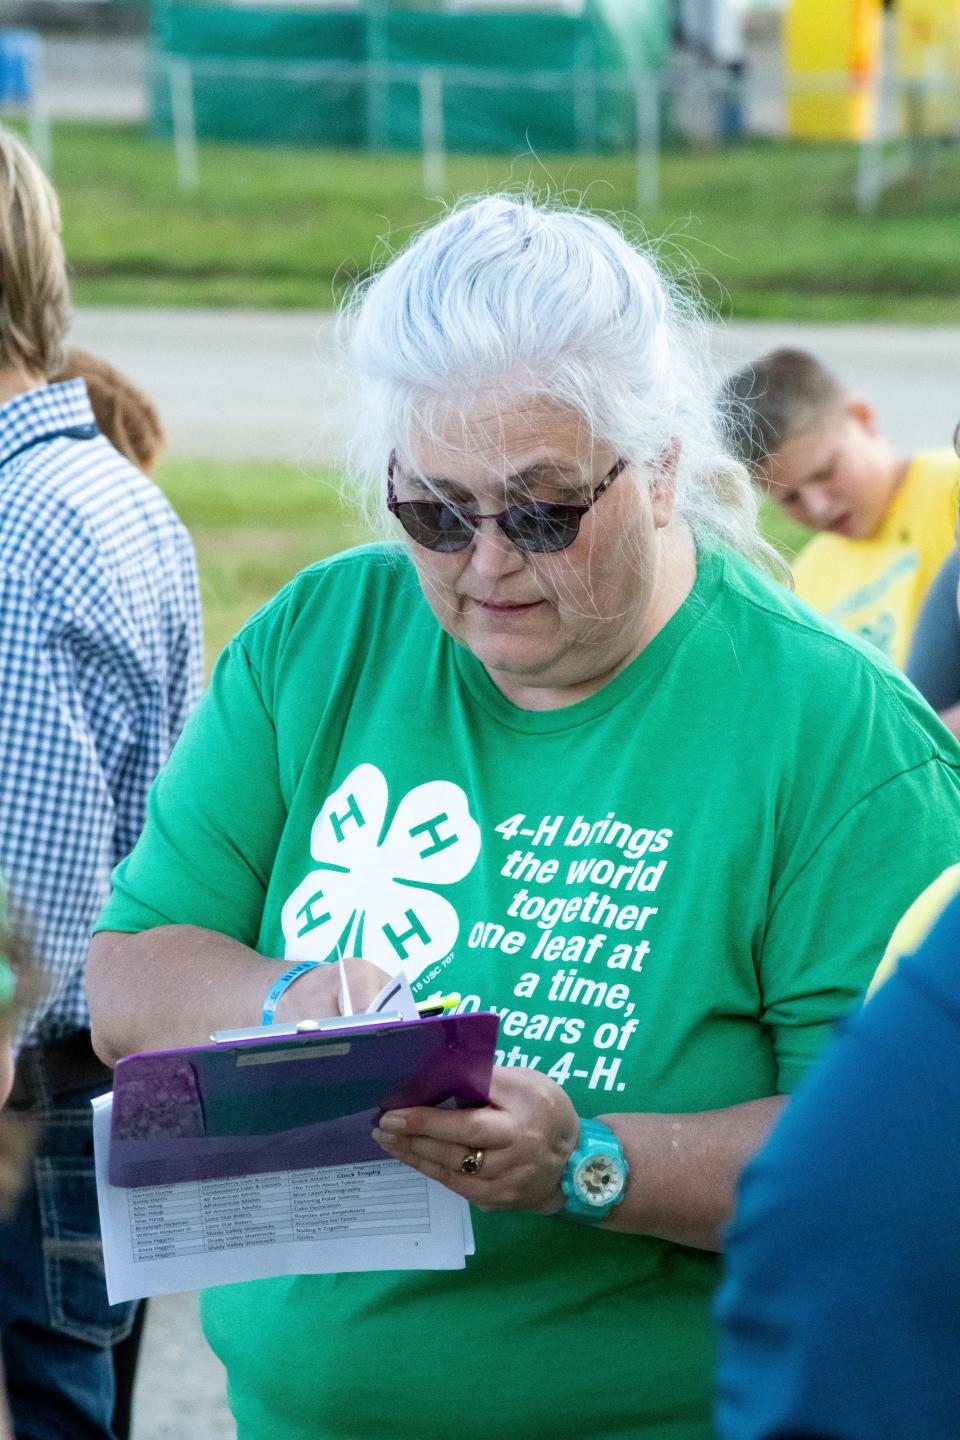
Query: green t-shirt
(669, 891)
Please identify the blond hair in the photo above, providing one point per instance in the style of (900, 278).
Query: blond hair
(34, 294)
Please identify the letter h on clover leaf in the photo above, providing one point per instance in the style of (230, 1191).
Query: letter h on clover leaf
(372, 891)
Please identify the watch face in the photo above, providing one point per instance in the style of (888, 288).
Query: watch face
(598, 1180)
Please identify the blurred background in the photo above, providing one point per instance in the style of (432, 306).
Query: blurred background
(226, 171)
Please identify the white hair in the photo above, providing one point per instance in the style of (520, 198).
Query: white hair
(507, 300)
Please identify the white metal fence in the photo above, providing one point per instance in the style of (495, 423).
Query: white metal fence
(900, 141)
(431, 82)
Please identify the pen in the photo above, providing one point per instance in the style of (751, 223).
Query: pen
(438, 1005)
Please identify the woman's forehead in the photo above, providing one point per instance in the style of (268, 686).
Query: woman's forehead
(485, 444)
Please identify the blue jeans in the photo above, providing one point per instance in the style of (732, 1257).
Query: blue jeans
(56, 1327)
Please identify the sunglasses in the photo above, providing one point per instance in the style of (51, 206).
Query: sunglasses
(536, 527)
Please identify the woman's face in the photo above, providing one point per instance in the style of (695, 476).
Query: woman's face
(548, 628)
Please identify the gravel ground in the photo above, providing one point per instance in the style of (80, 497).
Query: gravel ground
(180, 1383)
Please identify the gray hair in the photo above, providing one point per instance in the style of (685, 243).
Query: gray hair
(506, 299)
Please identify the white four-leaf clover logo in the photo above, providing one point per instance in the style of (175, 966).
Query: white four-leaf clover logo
(367, 896)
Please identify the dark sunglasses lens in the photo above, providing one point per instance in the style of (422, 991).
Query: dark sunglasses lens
(542, 528)
(433, 525)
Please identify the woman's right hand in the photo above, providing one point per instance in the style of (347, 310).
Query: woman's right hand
(319, 992)
(175, 985)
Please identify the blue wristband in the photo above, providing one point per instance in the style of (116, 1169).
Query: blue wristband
(283, 983)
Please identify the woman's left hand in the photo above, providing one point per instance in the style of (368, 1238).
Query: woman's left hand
(524, 1138)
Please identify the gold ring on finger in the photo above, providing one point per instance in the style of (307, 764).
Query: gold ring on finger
(472, 1162)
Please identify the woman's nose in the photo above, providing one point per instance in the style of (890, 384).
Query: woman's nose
(491, 553)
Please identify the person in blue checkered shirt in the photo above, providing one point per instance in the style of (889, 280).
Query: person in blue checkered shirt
(100, 663)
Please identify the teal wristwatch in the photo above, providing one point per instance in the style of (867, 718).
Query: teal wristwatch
(595, 1177)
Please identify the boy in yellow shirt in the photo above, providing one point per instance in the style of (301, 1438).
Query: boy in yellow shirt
(885, 523)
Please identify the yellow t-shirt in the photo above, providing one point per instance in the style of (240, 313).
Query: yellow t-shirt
(917, 922)
(875, 587)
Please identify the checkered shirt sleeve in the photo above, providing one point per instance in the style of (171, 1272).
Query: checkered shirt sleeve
(100, 663)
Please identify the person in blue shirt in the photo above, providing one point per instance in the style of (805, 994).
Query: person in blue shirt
(933, 661)
(100, 662)
(840, 1311)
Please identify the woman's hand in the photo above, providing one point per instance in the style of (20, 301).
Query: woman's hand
(319, 992)
(173, 986)
(526, 1134)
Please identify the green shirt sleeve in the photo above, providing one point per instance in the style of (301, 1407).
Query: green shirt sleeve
(214, 818)
(830, 927)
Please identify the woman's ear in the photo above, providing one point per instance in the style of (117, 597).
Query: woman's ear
(663, 488)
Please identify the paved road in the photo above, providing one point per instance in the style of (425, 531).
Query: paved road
(267, 385)
(236, 384)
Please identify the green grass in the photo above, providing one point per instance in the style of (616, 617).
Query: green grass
(781, 531)
(769, 227)
(255, 525)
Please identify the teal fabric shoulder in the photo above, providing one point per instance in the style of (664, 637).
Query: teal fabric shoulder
(348, 585)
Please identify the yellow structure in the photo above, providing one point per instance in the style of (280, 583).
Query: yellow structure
(928, 50)
(833, 53)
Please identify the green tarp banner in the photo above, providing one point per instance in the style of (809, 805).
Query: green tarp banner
(245, 86)
(230, 104)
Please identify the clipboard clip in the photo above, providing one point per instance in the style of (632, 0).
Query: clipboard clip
(330, 1024)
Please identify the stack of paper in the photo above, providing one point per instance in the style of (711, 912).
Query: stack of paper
(378, 1215)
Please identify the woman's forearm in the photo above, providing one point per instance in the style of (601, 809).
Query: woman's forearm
(171, 986)
(175, 985)
(684, 1169)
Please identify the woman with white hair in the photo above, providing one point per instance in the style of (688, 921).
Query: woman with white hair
(567, 751)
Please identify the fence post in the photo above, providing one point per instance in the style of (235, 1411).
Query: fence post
(584, 95)
(377, 74)
(431, 131)
(873, 170)
(921, 122)
(869, 174)
(41, 136)
(38, 114)
(184, 125)
(647, 95)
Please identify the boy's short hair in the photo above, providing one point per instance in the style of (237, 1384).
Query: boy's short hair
(122, 411)
(782, 394)
(34, 293)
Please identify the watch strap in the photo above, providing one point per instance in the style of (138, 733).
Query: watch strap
(596, 1140)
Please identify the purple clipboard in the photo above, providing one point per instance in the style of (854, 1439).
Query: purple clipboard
(248, 1106)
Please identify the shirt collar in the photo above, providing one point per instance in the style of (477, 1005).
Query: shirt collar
(48, 410)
